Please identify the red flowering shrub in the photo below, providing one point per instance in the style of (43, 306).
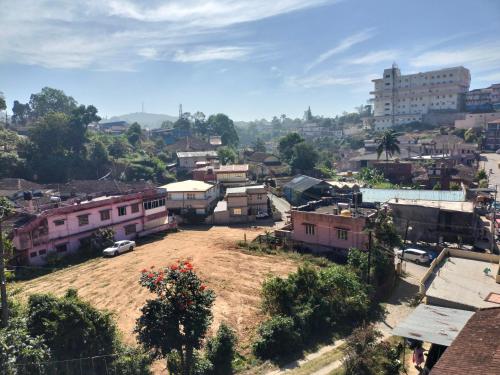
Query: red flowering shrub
(176, 322)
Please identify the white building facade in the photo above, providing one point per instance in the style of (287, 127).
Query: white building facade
(400, 99)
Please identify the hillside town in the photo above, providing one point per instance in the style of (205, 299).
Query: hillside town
(361, 243)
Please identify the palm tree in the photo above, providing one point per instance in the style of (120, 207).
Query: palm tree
(388, 144)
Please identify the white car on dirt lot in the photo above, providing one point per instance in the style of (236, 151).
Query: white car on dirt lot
(118, 248)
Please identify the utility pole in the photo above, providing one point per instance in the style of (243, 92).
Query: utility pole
(404, 242)
(494, 224)
(3, 282)
(369, 256)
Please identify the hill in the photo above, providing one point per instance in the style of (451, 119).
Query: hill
(148, 120)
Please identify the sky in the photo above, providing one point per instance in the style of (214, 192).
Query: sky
(250, 59)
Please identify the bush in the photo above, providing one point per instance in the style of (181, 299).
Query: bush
(220, 351)
(277, 338)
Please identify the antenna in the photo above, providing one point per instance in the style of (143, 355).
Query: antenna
(142, 107)
(180, 111)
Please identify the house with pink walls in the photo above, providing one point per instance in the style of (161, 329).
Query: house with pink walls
(62, 229)
(330, 228)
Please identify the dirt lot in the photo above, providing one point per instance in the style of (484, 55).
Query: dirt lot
(112, 283)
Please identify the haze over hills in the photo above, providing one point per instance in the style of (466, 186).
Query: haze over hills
(148, 120)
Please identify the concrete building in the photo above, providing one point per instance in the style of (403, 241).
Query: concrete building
(476, 120)
(400, 99)
(492, 141)
(242, 205)
(435, 221)
(188, 160)
(191, 196)
(484, 99)
(63, 229)
(228, 175)
(462, 279)
(329, 227)
(114, 127)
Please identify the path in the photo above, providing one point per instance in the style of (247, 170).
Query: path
(490, 161)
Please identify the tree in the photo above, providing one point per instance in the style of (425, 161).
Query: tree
(286, 145)
(259, 145)
(20, 113)
(220, 124)
(51, 100)
(99, 157)
(481, 175)
(388, 144)
(220, 350)
(226, 155)
(304, 157)
(370, 176)
(134, 134)
(182, 123)
(3, 104)
(174, 324)
(80, 118)
(119, 147)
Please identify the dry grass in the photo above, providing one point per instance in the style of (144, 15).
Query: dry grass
(236, 277)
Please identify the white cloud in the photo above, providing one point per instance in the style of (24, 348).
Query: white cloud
(375, 57)
(344, 45)
(323, 79)
(490, 77)
(212, 53)
(478, 57)
(119, 34)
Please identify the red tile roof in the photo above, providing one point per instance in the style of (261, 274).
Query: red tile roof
(476, 350)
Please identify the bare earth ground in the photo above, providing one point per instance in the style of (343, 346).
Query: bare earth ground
(236, 277)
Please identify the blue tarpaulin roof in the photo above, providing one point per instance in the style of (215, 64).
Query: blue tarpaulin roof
(383, 195)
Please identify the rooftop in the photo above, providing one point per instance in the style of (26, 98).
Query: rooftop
(303, 182)
(243, 189)
(462, 282)
(443, 205)
(191, 154)
(187, 186)
(476, 349)
(383, 195)
(434, 324)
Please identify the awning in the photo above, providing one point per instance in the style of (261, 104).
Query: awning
(434, 324)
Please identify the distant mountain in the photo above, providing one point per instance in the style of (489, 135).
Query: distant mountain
(146, 120)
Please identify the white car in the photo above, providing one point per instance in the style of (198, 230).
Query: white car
(118, 248)
(415, 255)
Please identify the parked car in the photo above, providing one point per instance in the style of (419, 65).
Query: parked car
(118, 248)
(262, 215)
(415, 255)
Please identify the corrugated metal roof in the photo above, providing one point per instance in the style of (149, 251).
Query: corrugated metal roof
(187, 186)
(434, 324)
(302, 183)
(383, 195)
(191, 154)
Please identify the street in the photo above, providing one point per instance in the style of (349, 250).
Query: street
(490, 162)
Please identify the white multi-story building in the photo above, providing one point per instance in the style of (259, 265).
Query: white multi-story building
(400, 99)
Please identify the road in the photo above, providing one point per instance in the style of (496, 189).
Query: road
(490, 162)
(281, 204)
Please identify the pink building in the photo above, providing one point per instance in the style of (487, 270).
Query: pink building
(327, 228)
(62, 229)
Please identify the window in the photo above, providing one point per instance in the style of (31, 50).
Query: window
(134, 207)
(342, 234)
(59, 222)
(83, 220)
(42, 252)
(105, 215)
(33, 254)
(310, 229)
(191, 196)
(236, 211)
(129, 229)
(62, 248)
(122, 211)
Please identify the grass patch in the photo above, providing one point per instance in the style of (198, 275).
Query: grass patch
(320, 362)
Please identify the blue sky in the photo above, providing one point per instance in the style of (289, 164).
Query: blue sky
(250, 59)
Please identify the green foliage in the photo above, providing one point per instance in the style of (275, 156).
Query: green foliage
(226, 155)
(364, 355)
(220, 350)
(182, 123)
(176, 321)
(286, 145)
(277, 338)
(70, 327)
(437, 186)
(98, 241)
(388, 144)
(455, 186)
(483, 184)
(3, 104)
(131, 362)
(20, 113)
(18, 346)
(51, 100)
(316, 302)
(119, 147)
(259, 145)
(222, 125)
(481, 175)
(473, 135)
(371, 176)
(304, 157)
(134, 134)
